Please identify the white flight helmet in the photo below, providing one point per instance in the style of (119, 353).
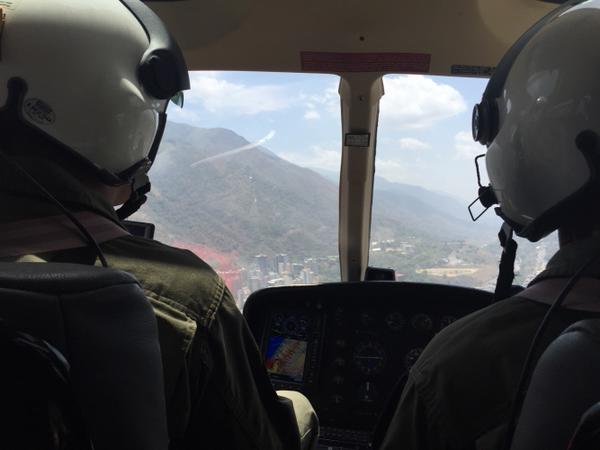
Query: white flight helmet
(95, 76)
(540, 118)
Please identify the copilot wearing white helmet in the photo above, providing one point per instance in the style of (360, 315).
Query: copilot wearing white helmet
(540, 120)
(84, 87)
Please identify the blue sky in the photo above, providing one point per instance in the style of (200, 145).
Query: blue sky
(424, 130)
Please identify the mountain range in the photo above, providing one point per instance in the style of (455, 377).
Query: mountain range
(212, 188)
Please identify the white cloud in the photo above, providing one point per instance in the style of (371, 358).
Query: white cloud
(413, 144)
(326, 101)
(312, 114)
(415, 101)
(392, 170)
(466, 147)
(317, 157)
(186, 115)
(416, 174)
(221, 96)
(215, 94)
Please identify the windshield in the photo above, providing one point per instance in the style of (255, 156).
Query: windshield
(246, 178)
(425, 178)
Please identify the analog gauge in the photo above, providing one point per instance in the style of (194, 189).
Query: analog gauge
(421, 322)
(395, 321)
(411, 357)
(290, 325)
(367, 392)
(367, 319)
(302, 325)
(369, 357)
(277, 322)
(446, 320)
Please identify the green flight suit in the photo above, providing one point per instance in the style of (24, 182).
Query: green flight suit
(459, 393)
(217, 391)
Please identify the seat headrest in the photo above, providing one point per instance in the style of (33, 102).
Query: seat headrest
(63, 278)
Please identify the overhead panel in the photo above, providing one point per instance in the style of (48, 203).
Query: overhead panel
(272, 35)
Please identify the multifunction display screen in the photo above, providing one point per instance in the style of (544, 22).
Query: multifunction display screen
(285, 358)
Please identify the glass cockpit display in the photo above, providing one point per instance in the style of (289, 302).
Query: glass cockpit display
(287, 347)
(285, 358)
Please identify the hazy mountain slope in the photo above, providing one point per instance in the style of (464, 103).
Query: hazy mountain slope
(252, 201)
(432, 213)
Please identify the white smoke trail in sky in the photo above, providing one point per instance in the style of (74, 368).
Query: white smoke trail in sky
(235, 151)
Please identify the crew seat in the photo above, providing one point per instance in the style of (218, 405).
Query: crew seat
(564, 392)
(101, 321)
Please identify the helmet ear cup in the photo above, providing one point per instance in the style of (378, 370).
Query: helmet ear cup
(162, 71)
(484, 121)
(158, 75)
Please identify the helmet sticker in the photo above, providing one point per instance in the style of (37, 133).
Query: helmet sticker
(39, 111)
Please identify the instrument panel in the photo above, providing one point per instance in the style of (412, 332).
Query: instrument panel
(346, 345)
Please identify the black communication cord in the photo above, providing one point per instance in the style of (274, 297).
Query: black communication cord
(91, 241)
(527, 368)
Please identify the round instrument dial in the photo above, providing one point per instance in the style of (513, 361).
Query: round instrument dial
(294, 326)
(369, 357)
(421, 322)
(277, 322)
(446, 320)
(302, 325)
(290, 325)
(395, 321)
(367, 319)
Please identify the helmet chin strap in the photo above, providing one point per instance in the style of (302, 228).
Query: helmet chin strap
(506, 274)
(140, 186)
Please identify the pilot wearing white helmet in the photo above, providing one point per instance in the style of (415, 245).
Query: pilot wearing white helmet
(540, 120)
(84, 88)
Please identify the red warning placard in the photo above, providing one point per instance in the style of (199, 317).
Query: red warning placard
(365, 62)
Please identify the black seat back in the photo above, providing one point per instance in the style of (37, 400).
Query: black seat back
(564, 385)
(38, 408)
(100, 320)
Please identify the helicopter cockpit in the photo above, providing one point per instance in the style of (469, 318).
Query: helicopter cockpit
(324, 167)
(348, 343)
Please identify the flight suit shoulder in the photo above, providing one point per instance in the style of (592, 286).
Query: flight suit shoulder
(481, 336)
(467, 374)
(177, 276)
